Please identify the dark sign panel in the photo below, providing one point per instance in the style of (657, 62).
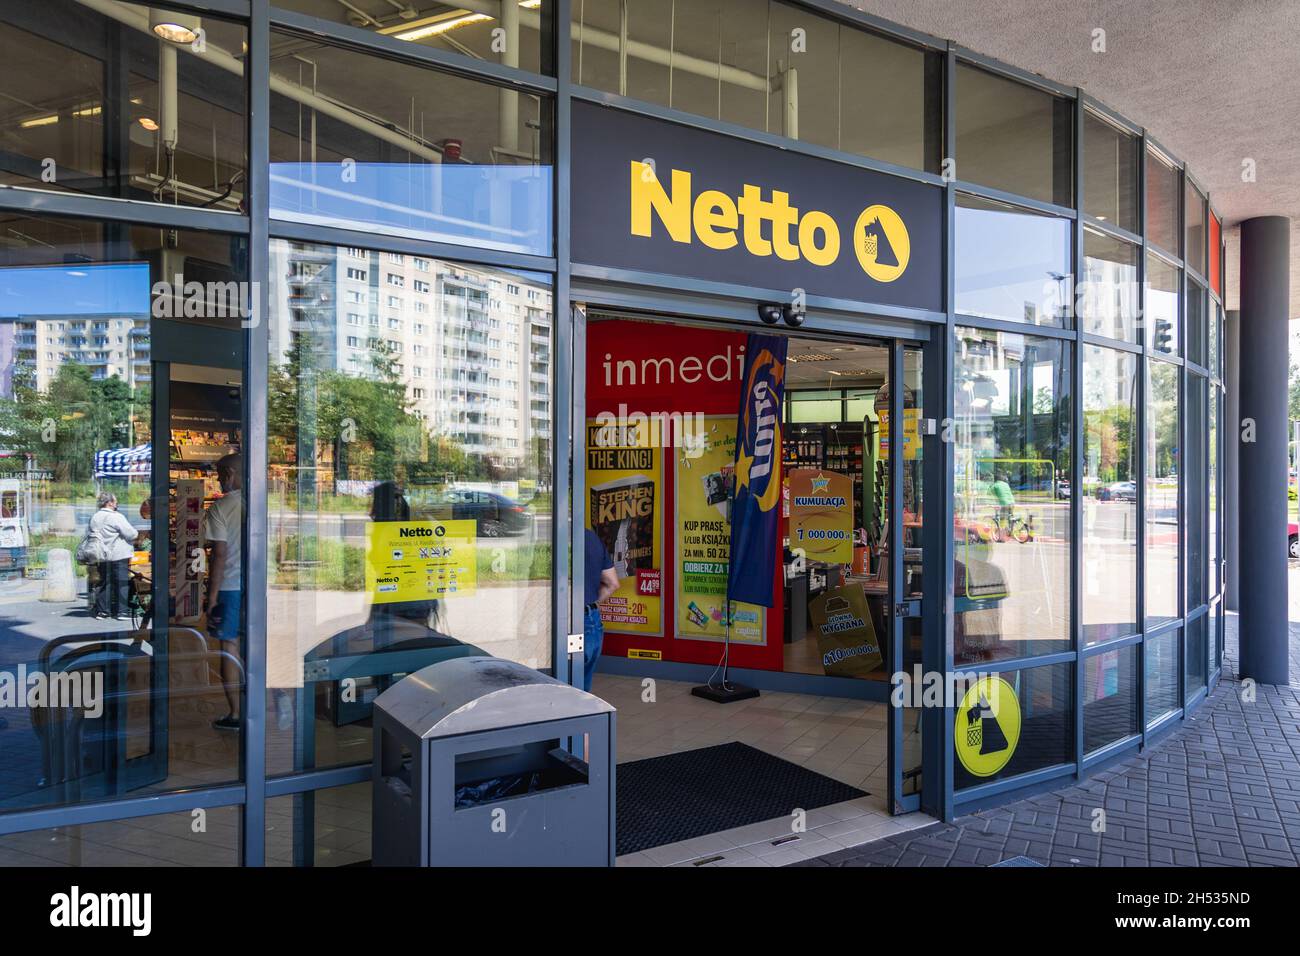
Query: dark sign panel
(657, 197)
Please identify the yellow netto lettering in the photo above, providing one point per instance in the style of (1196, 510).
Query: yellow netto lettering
(764, 222)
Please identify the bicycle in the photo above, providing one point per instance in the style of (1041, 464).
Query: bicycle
(1016, 528)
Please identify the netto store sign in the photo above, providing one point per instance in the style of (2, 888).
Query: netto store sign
(653, 196)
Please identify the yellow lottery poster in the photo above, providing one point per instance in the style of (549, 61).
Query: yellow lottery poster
(624, 509)
(704, 484)
(911, 432)
(420, 560)
(821, 515)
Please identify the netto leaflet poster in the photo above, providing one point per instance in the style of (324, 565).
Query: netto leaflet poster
(624, 509)
(704, 479)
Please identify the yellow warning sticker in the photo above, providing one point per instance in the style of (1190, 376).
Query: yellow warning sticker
(643, 655)
(988, 726)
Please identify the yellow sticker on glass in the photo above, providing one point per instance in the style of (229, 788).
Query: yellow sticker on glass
(988, 726)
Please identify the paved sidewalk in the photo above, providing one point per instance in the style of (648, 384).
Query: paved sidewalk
(1221, 789)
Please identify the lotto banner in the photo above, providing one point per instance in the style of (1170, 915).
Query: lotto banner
(755, 517)
(420, 560)
(821, 515)
(625, 509)
(705, 480)
(846, 636)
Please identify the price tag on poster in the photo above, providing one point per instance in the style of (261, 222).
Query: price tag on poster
(420, 560)
(704, 486)
(821, 515)
(624, 502)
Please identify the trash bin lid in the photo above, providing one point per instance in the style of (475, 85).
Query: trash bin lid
(466, 695)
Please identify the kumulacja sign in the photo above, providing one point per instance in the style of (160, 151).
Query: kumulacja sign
(652, 196)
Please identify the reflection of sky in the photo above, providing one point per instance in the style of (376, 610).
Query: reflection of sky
(501, 207)
(80, 289)
(1006, 259)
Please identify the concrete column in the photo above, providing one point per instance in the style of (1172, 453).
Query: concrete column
(1262, 539)
(1232, 435)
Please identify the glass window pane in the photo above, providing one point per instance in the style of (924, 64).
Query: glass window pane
(1045, 699)
(1162, 478)
(320, 828)
(1197, 327)
(773, 67)
(1196, 656)
(91, 313)
(81, 110)
(1110, 525)
(1111, 164)
(1194, 229)
(1215, 253)
(1215, 339)
(1013, 137)
(367, 143)
(1012, 263)
(1109, 300)
(428, 408)
(1197, 488)
(1212, 485)
(1161, 654)
(1012, 524)
(1110, 702)
(167, 839)
(1162, 305)
(523, 41)
(1164, 196)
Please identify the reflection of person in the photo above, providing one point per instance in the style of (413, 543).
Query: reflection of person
(600, 582)
(1002, 494)
(115, 535)
(387, 503)
(223, 529)
(145, 537)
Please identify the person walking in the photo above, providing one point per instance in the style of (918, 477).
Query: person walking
(223, 531)
(114, 535)
(600, 581)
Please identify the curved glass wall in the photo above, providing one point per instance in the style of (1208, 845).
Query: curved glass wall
(412, 217)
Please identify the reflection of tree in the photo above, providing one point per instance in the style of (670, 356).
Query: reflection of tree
(1110, 443)
(76, 416)
(364, 423)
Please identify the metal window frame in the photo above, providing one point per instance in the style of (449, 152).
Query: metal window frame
(260, 17)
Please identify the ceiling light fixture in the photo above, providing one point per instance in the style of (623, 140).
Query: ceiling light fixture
(439, 27)
(174, 27)
(39, 121)
(149, 124)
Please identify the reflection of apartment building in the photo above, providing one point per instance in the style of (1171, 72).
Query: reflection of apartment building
(471, 345)
(107, 345)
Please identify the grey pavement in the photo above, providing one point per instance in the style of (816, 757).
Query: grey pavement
(1221, 789)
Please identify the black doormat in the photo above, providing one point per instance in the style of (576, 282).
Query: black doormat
(679, 796)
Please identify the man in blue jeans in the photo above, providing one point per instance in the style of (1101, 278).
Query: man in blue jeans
(600, 582)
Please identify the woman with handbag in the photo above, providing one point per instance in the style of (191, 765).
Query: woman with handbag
(110, 538)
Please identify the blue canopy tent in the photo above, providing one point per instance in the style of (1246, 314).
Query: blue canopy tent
(124, 462)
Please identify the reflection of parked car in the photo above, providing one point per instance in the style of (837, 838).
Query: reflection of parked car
(1063, 489)
(494, 515)
(1293, 540)
(1119, 491)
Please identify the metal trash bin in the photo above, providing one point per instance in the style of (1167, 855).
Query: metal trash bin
(471, 769)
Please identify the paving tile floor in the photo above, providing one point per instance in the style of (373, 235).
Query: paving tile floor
(1220, 789)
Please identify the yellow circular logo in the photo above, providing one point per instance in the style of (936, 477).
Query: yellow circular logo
(881, 242)
(988, 726)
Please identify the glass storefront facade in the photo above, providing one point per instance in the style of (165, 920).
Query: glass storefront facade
(322, 257)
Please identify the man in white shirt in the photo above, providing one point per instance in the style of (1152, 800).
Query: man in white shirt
(223, 531)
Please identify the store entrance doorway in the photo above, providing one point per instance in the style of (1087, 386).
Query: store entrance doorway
(820, 747)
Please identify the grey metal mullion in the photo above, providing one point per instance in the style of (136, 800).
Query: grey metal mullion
(323, 779)
(256, 368)
(1015, 199)
(1109, 228)
(1016, 328)
(1109, 645)
(897, 386)
(1076, 443)
(230, 8)
(568, 381)
(1119, 345)
(1104, 112)
(681, 118)
(130, 808)
(838, 10)
(40, 202)
(413, 54)
(1142, 444)
(1007, 71)
(387, 242)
